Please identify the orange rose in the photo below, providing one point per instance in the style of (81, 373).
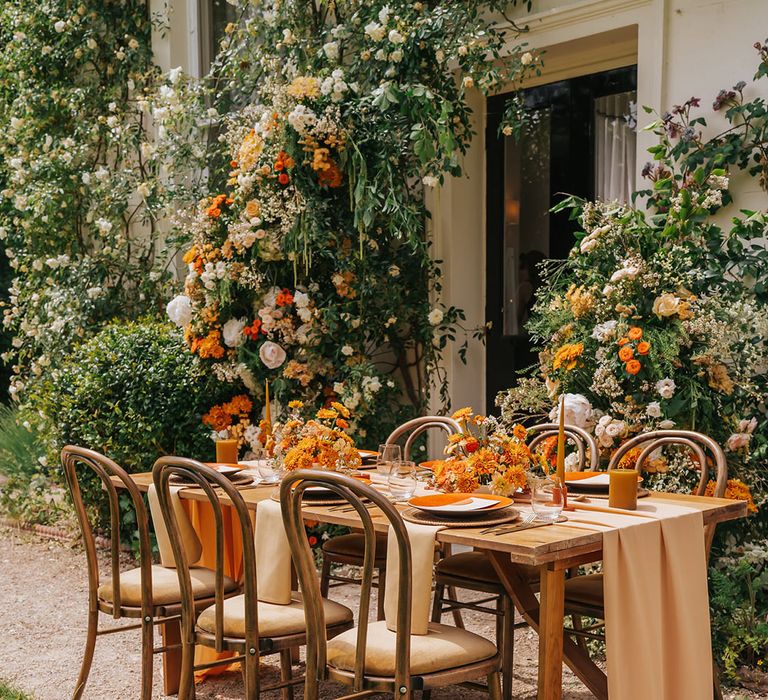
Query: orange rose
(471, 445)
(635, 333)
(626, 353)
(643, 348)
(622, 341)
(633, 367)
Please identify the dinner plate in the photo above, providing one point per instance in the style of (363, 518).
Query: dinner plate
(460, 504)
(590, 481)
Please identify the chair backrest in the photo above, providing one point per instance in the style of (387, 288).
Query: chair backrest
(74, 460)
(354, 492)
(581, 438)
(416, 426)
(701, 445)
(213, 485)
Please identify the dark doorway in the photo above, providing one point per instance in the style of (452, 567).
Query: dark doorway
(578, 140)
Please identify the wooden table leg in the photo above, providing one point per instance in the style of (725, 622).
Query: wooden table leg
(525, 601)
(551, 634)
(171, 634)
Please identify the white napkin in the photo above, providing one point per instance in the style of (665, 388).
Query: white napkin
(189, 539)
(273, 555)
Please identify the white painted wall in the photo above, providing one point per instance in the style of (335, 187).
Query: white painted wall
(684, 48)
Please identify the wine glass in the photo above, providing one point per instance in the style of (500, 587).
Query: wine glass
(402, 480)
(269, 471)
(547, 499)
(388, 454)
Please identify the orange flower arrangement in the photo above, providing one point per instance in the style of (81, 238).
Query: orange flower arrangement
(214, 210)
(735, 490)
(208, 347)
(252, 331)
(488, 457)
(233, 416)
(633, 367)
(284, 298)
(626, 353)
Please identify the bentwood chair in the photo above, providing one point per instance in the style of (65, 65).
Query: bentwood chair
(373, 659)
(149, 593)
(348, 549)
(584, 594)
(473, 571)
(244, 624)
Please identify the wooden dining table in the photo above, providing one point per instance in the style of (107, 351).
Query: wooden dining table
(553, 549)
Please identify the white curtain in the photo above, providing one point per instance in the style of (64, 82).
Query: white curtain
(615, 147)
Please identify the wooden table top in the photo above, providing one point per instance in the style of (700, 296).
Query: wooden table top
(560, 544)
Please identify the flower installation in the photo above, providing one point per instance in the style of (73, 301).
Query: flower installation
(310, 266)
(320, 442)
(483, 454)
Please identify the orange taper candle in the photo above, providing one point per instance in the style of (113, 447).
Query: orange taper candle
(561, 444)
(267, 408)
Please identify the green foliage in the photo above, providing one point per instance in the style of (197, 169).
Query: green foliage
(29, 490)
(11, 692)
(130, 392)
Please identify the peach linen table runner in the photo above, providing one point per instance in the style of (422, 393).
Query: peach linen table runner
(658, 639)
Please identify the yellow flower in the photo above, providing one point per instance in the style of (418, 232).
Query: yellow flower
(304, 86)
(327, 413)
(519, 431)
(295, 404)
(567, 356)
(341, 408)
(462, 414)
(735, 490)
(581, 300)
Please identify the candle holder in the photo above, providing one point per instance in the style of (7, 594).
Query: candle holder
(622, 488)
(226, 451)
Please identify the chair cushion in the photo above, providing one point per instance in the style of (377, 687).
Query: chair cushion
(476, 566)
(353, 545)
(443, 647)
(165, 586)
(585, 590)
(274, 620)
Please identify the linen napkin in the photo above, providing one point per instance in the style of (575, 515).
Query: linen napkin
(422, 538)
(189, 539)
(658, 639)
(273, 555)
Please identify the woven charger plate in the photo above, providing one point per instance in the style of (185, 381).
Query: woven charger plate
(413, 515)
(235, 480)
(315, 500)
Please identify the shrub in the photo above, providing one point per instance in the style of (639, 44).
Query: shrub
(131, 392)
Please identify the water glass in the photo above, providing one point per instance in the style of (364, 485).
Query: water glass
(269, 471)
(386, 457)
(402, 480)
(547, 499)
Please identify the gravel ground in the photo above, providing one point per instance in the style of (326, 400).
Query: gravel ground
(43, 591)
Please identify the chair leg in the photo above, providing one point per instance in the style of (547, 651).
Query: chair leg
(494, 686)
(325, 576)
(251, 671)
(90, 645)
(147, 648)
(457, 621)
(187, 675)
(380, 593)
(437, 605)
(507, 646)
(579, 626)
(286, 674)
(717, 691)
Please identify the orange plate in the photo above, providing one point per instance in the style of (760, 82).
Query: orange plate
(447, 499)
(430, 464)
(368, 453)
(578, 476)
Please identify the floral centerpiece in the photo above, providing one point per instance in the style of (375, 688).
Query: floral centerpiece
(320, 442)
(232, 420)
(483, 454)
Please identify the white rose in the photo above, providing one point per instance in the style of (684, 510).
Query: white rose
(179, 310)
(232, 331)
(667, 424)
(527, 58)
(430, 181)
(435, 317)
(396, 37)
(174, 75)
(271, 354)
(666, 388)
(375, 31)
(578, 410)
(394, 271)
(469, 81)
(604, 331)
(572, 462)
(653, 410)
(331, 50)
(396, 56)
(347, 350)
(615, 428)
(666, 305)
(60, 26)
(588, 244)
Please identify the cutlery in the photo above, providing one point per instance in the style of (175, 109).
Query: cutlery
(529, 526)
(527, 518)
(346, 508)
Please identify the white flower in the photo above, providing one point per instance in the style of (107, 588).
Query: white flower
(133, 44)
(347, 350)
(93, 292)
(603, 332)
(653, 410)
(430, 181)
(232, 331)
(104, 226)
(627, 271)
(301, 300)
(394, 271)
(666, 388)
(391, 321)
(396, 56)
(179, 310)
(384, 14)
(396, 37)
(375, 31)
(331, 50)
(174, 75)
(589, 243)
(143, 189)
(572, 462)
(667, 424)
(46, 50)
(302, 118)
(469, 81)
(60, 26)
(436, 317)
(747, 426)
(578, 411)
(91, 43)
(371, 384)
(527, 58)
(271, 354)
